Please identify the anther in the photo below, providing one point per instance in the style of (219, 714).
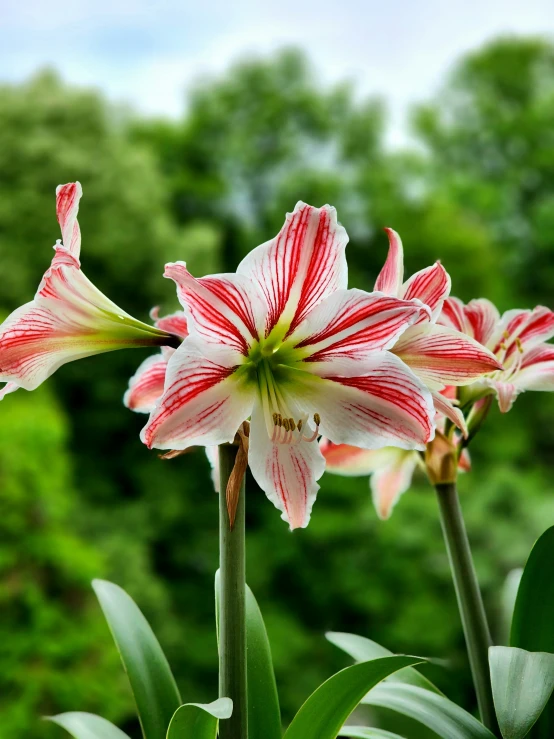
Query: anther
(275, 419)
(519, 345)
(299, 425)
(292, 425)
(506, 335)
(286, 423)
(317, 419)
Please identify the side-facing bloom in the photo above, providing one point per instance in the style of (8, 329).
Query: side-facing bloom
(69, 318)
(439, 355)
(146, 386)
(285, 343)
(518, 340)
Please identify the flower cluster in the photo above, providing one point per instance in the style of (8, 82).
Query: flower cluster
(284, 344)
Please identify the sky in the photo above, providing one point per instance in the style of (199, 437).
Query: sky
(147, 53)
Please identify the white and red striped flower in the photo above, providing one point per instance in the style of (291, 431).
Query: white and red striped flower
(518, 340)
(285, 343)
(440, 356)
(146, 386)
(69, 318)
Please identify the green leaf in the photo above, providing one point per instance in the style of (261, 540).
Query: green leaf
(199, 720)
(522, 683)
(534, 615)
(362, 650)
(367, 732)
(87, 726)
(326, 710)
(156, 694)
(430, 709)
(264, 715)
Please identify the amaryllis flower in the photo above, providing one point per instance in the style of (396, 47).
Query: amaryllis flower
(284, 343)
(146, 386)
(438, 355)
(69, 317)
(518, 340)
(391, 470)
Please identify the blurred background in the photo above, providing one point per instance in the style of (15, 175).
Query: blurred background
(193, 130)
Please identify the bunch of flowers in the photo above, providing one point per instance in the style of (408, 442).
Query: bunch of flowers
(283, 368)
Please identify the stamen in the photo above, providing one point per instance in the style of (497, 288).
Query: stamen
(313, 437)
(506, 335)
(299, 425)
(519, 345)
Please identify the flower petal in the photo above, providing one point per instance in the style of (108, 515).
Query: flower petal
(212, 453)
(527, 328)
(430, 285)
(390, 481)
(482, 318)
(224, 308)
(204, 402)
(453, 315)
(387, 406)
(174, 323)
(352, 323)
(506, 392)
(287, 473)
(391, 276)
(352, 461)
(303, 264)
(9, 387)
(464, 461)
(442, 356)
(146, 386)
(447, 408)
(537, 369)
(67, 207)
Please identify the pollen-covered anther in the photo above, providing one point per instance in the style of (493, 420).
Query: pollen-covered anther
(519, 345)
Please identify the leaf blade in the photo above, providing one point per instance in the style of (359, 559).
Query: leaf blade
(199, 720)
(439, 714)
(82, 725)
(325, 711)
(522, 683)
(152, 682)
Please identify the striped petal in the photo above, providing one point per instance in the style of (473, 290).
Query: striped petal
(301, 266)
(430, 285)
(441, 356)
(287, 473)
(352, 461)
(352, 323)
(205, 399)
(392, 480)
(453, 315)
(221, 309)
(506, 393)
(9, 387)
(68, 319)
(391, 276)
(481, 318)
(537, 369)
(174, 323)
(387, 406)
(446, 407)
(67, 207)
(146, 386)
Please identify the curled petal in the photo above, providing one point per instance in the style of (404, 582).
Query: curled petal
(223, 308)
(391, 276)
(446, 407)
(506, 392)
(146, 386)
(67, 207)
(287, 473)
(431, 285)
(205, 399)
(9, 387)
(441, 356)
(391, 480)
(387, 406)
(537, 369)
(303, 264)
(352, 323)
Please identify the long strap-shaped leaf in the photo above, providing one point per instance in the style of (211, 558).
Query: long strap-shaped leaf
(532, 624)
(152, 682)
(435, 711)
(199, 720)
(264, 715)
(326, 710)
(87, 726)
(362, 649)
(522, 683)
(367, 732)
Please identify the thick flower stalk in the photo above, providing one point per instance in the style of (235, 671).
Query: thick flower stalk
(518, 340)
(69, 318)
(285, 343)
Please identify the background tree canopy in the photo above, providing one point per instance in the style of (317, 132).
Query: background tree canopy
(79, 495)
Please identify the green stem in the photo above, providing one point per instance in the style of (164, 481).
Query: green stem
(232, 624)
(470, 602)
